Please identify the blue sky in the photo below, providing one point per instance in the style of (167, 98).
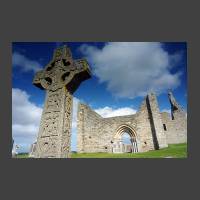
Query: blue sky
(123, 73)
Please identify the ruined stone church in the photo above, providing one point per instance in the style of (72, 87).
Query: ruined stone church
(149, 129)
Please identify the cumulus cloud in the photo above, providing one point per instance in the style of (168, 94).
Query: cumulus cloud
(24, 63)
(24, 112)
(166, 110)
(111, 112)
(75, 110)
(132, 69)
(74, 124)
(25, 119)
(126, 139)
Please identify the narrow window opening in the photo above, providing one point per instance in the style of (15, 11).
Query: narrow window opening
(164, 126)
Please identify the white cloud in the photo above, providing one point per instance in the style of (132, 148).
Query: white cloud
(24, 112)
(75, 109)
(21, 61)
(132, 69)
(110, 112)
(126, 139)
(25, 119)
(166, 110)
(74, 124)
(20, 130)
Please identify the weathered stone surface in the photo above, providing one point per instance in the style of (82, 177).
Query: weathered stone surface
(159, 137)
(61, 77)
(176, 125)
(146, 129)
(32, 150)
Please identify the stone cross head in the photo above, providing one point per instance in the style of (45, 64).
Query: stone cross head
(62, 71)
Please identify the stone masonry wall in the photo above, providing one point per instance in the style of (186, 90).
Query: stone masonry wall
(96, 134)
(88, 128)
(177, 128)
(144, 132)
(159, 136)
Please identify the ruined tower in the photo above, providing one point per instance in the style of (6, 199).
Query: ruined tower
(176, 110)
(60, 78)
(177, 124)
(159, 137)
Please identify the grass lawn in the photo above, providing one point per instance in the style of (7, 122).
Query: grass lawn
(173, 151)
(22, 155)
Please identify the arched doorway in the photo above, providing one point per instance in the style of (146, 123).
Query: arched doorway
(125, 141)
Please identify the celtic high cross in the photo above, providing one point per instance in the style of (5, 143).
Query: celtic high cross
(60, 78)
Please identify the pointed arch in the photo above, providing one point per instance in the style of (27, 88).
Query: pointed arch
(124, 128)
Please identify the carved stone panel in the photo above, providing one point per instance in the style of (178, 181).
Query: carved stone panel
(55, 127)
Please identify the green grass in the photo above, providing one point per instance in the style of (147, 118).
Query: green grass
(22, 155)
(173, 151)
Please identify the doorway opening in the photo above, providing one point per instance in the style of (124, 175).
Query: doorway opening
(125, 140)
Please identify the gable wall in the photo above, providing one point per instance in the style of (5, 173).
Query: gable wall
(96, 133)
